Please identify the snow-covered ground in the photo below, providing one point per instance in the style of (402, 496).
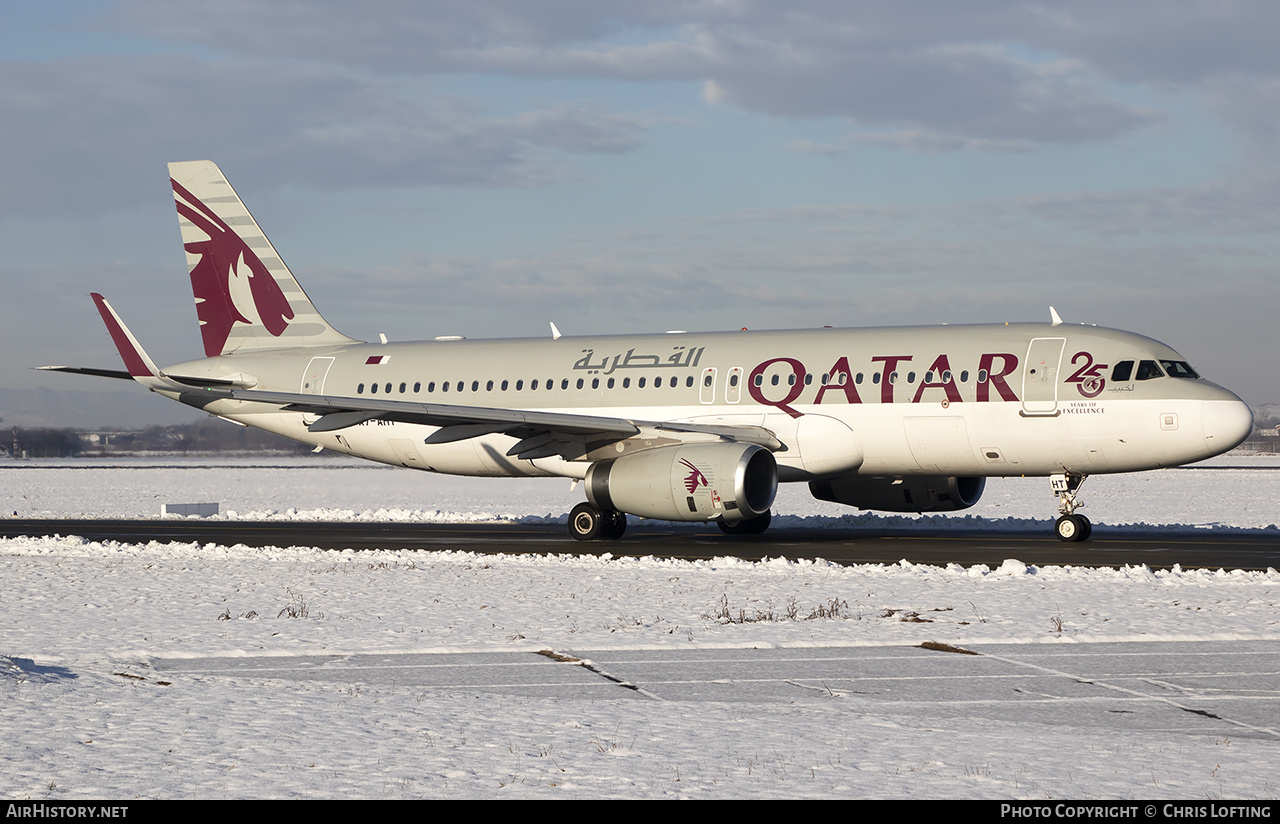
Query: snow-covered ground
(98, 702)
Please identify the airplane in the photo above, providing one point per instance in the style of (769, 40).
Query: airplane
(682, 426)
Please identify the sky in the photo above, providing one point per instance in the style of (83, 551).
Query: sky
(431, 168)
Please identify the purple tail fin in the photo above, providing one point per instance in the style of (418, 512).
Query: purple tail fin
(246, 298)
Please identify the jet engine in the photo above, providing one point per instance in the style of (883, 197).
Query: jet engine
(694, 482)
(911, 493)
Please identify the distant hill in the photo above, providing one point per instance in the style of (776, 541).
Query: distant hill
(130, 407)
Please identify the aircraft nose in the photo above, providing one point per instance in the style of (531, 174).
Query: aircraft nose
(1227, 421)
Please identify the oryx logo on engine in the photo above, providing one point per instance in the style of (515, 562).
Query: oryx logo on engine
(695, 478)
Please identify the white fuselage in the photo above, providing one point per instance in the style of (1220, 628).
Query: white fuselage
(990, 400)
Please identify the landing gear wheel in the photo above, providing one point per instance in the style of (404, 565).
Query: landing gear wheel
(1073, 528)
(1070, 527)
(751, 526)
(615, 525)
(587, 522)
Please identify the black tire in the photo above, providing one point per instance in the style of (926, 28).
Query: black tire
(586, 522)
(615, 525)
(1073, 528)
(751, 526)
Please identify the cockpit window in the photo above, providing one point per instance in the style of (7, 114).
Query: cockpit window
(1149, 369)
(1122, 372)
(1179, 369)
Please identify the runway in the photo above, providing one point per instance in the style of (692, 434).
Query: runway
(1255, 550)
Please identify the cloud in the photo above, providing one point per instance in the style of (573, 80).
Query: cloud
(79, 134)
(953, 70)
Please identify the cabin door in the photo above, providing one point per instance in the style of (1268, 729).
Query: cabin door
(1040, 376)
(313, 382)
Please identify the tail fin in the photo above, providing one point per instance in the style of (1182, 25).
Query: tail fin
(246, 298)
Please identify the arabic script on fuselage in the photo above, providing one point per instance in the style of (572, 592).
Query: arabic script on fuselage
(680, 358)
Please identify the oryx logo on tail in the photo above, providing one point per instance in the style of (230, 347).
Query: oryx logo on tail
(231, 284)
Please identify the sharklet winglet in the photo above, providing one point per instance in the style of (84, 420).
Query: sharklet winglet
(136, 360)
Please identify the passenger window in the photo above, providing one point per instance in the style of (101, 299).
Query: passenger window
(580, 383)
(360, 389)
(595, 383)
(689, 381)
(417, 387)
(626, 383)
(1122, 372)
(519, 385)
(1148, 369)
(388, 389)
(373, 389)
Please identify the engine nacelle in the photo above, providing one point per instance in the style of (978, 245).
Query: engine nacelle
(697, 482)
(945, 493)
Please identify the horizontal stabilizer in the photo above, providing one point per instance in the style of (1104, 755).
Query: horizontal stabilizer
(86, 370)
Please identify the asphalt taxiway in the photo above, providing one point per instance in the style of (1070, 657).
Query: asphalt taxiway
(1190, 549)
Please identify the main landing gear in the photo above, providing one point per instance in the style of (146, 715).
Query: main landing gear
(751, 526)
(1070, 526)
(588, 522)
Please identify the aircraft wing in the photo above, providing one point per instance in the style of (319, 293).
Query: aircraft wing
(540, 433)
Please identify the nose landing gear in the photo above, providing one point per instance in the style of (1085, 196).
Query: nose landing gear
(1070, 526)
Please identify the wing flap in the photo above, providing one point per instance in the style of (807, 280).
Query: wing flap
(540, 433)
(492, 419)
